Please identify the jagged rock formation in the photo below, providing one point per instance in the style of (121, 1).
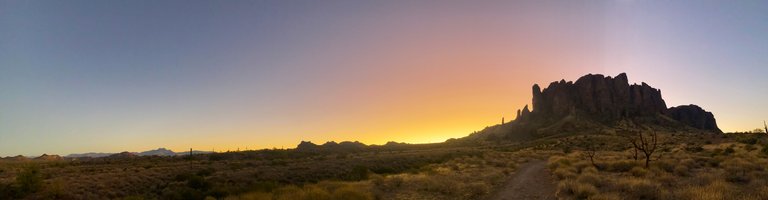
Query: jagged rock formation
(607, 100)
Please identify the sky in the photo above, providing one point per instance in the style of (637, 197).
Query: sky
(110, 76)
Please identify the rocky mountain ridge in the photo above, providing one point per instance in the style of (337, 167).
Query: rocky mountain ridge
(605, 99)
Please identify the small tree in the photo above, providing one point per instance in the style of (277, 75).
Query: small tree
(646, 144)
(589, 151)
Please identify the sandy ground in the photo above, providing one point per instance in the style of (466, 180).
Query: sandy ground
(531, 181)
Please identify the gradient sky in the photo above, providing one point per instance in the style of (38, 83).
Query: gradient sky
(111, 76)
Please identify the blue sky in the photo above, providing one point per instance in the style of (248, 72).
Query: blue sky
(110, 76)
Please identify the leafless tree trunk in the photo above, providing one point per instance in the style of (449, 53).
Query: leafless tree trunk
(634, 147)
(590, 151)
(646, 144)
(591, 154)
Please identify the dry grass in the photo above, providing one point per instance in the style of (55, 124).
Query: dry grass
(722, 169)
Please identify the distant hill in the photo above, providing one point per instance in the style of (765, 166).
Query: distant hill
(16, 158)
(90, 155)
(47, 157)
(595, 102)
(155, 152)
(158, 152)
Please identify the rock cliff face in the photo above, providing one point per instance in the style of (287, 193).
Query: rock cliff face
(609, 99)
(694, 116)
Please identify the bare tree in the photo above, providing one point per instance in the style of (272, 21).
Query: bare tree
(590, 151)
(635, 148)
(646, 144)
(591, 154)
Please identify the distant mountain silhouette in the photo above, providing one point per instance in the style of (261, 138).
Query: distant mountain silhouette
(89, 155)
(158, 152)
(345, 146)
(595, 102)
(122, 155)
(155, 152)
(47, 157)
(16, 158)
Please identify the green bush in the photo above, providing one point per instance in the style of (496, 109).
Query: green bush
(29, 181)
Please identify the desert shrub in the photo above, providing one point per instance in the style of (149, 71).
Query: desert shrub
(590, 178)
(716, 190)
(581, 165)
(476, 190)
(729, 151)
(621, 165)
(638, 171)
(557, 162)
(713, 162)
(639, 188)
(589, 170)
(666, 165)
(688, 162)
(567, 149)
(716, 151)
(7, 191)
(29, 180)
(749, 147)
(765, 149)
(198, 183)
(694, 148)
(748, 140)
(737, 170)
(681, 170)
(439, 184)
(264, 186)
(315, 193)
(607, 196)
(576, 189)
(182, 193)
(206, 172)
(388, 183)
(359, 172)
(290, 192)
(253, 196)
(564, 173)
(132, 197)
(351, 193)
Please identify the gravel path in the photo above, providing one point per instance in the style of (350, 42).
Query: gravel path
(531, 181)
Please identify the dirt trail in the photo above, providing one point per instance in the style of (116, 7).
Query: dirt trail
(530, 181)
